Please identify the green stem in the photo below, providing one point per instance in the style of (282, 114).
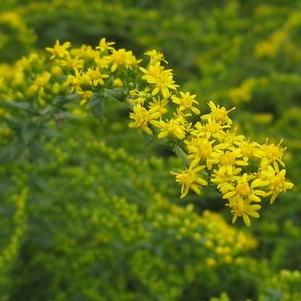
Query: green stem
(181, 154)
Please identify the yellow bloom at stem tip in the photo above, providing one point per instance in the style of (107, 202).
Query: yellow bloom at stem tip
(173, 128)
(103, 45)
(155, 56)
(73, 62)
(122, 58)
(209, 128)
(59, 50)
(272, 154)
(200, 150)
(190, 179)
(241, 188)
(224, 174)
(244, 209)
(158, 107)
(142, 117)
(161, 78)
(277, 182)
(219, 114)
(186, 101)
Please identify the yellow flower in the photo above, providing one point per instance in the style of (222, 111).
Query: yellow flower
(139, 93)
(244, 209)
(102, 62)
(85, 52)
(142, 118)
(200, 150)
(59, 50)
(248, 149)
(186, 102)
(190, 179)
(117, 82)
(158, 107)
(137, 101)
(218, 114)
(56, 88)
(162, 79)
(121, 57)
(138, 97)
(39, 83)
(103, 45)
(277, 182)
(171, 128)
(211, 128)
(95, 77)
(73, 82)
(242, 189)
(271, 154)
(73, 62)
(18, 78)
(42, 79)
(155, 56)
(56, 70)
(229, 158)
(229, 138)
(85, 97)
(224, 174)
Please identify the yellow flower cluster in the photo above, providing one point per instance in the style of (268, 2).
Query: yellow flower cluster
(287, 283)
(88, 69)
(270, 47)
(243, 171)
(242, 93)
(223, 244)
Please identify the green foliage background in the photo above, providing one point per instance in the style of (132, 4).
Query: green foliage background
(103, 219)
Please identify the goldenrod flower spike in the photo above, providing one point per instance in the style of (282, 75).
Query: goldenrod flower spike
(245, 172)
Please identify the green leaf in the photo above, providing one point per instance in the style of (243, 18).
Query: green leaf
(19, 105)
(97, 105)
(115, 94)
(62, 99)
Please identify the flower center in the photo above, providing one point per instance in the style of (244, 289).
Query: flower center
(227, 159)
(273, 152)
(243, 189)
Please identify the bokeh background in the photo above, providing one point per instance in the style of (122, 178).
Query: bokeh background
(102, 219)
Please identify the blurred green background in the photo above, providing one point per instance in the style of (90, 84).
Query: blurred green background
(102, 218)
